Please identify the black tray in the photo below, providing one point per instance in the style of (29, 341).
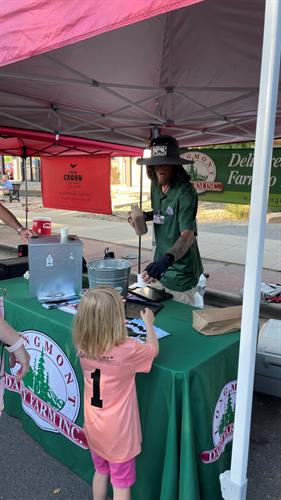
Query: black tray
(133, 308)
(151, 294)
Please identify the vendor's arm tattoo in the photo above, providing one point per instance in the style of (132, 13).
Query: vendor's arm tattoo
(182, 244)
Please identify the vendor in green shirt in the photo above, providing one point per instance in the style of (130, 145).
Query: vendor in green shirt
(177, 263)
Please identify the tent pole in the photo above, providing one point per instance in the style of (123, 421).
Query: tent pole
(234, 482)
(25, 184)
(2, 165)
(26, 198)
(139, 249)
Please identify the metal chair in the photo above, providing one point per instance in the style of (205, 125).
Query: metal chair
(14, 194)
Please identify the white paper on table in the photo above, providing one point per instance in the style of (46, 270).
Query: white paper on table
(71, 308)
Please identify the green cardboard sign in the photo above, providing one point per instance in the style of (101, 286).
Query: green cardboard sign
(225, 175)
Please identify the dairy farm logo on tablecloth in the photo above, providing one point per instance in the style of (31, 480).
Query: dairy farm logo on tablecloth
(202, 171)
(223, 423)
(50, 393)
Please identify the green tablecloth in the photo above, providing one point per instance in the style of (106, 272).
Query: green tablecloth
(186, 402)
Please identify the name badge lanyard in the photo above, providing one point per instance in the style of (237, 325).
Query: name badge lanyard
(157, 217)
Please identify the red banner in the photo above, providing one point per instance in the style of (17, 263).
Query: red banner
(79, 183)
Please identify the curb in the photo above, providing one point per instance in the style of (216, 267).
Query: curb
(10, 248)
(223, 299)
(217, 298)
(273, 218)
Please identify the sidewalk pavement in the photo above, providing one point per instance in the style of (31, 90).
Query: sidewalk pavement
(223, 254)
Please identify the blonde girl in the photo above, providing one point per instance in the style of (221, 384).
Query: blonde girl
(109, 360)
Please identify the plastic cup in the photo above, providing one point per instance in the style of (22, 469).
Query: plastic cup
(64, 234)
(140, 281)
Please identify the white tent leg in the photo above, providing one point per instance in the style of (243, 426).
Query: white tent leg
(234, 482)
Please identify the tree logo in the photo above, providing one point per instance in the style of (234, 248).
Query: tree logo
(50, 392)
(202, 171)
(223, 423)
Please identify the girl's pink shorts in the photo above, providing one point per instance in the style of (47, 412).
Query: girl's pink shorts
(122, 475)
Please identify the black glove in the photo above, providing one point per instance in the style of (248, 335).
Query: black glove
(148, 215)
(157, 268)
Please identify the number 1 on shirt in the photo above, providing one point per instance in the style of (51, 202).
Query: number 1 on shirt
(95, 400)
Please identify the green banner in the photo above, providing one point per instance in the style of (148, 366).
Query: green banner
(225, 175)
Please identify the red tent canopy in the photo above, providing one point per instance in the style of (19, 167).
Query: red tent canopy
(19, 142)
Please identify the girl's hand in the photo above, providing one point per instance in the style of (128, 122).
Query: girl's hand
(147, 316)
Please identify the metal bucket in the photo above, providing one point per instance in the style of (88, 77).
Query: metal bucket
(114, 272)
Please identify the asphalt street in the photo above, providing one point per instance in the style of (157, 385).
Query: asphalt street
(28, 473)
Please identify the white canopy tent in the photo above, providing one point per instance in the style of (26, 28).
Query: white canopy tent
(193, 73)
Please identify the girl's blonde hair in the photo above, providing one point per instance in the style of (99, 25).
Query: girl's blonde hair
(100, 321)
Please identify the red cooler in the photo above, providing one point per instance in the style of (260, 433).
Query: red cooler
(42, 225)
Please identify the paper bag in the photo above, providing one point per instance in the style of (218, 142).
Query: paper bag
(215, 321)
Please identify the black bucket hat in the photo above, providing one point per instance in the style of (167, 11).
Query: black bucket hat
(164, 151)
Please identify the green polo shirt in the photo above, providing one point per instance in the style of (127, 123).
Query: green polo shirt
(178, 206)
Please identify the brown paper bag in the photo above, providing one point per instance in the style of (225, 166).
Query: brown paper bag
(215, 321)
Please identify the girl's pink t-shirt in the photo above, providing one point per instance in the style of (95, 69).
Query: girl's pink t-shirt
(111, 415)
